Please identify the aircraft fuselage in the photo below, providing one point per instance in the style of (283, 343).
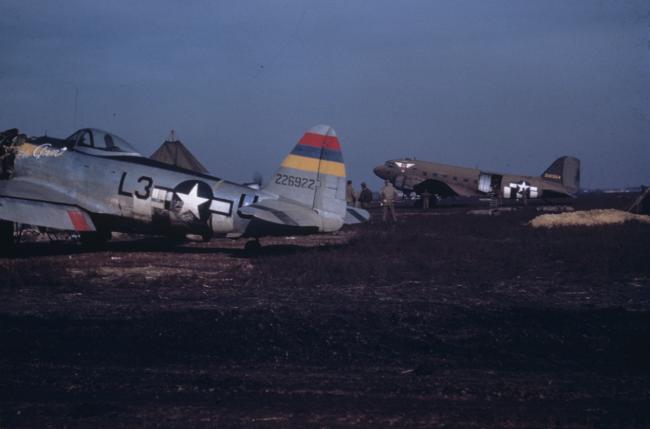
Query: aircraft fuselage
(410, 175)
(131, 193)
(94, 182)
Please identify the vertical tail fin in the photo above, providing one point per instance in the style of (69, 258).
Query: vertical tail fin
(565, 170)
(313, 174)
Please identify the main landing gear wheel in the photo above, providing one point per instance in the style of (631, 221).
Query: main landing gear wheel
(253, 246)
(7, 240)
(94, 239)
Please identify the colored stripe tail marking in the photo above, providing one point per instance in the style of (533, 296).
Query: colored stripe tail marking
(318, 151)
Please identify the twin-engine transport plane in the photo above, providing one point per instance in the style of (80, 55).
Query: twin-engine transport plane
(560, 180)
(94, 182)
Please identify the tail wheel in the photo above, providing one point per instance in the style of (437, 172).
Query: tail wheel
(95, 238)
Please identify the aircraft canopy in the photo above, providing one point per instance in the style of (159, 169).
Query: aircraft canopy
(100, 142)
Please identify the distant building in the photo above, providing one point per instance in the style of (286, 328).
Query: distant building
(174, 152)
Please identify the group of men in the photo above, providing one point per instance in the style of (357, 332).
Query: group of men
(361, 199)
(364, 198)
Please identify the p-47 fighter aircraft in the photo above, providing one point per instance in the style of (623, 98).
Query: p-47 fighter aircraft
(560, 180)
(94, 182)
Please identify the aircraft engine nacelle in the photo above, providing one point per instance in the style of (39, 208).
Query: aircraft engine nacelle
(520, 190)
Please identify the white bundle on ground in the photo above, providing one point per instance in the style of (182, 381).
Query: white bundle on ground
(587, 218)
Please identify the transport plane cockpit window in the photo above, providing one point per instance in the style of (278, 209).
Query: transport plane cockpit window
(404, 164)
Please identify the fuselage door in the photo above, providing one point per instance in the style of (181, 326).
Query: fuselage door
(489, 182)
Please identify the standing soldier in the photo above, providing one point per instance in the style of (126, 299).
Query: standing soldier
(350, 194)
(426, 198)
(8, 142)
(365, 197)
(387, 196)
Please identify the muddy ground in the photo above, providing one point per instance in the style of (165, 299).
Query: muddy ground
(444, 319)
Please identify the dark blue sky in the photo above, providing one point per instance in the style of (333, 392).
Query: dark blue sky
(503, 85)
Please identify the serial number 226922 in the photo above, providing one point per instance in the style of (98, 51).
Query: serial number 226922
(294, 181)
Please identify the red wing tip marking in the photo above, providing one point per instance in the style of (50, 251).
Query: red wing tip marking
(78, 220)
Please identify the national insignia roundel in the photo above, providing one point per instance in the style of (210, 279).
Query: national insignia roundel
(192, 199)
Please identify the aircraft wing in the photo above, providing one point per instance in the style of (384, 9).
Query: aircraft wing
(444, 189)
(463, 191)
(25, 202)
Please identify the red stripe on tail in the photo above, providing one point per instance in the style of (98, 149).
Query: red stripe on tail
(319, 140)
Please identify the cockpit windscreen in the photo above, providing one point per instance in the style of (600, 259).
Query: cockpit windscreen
(94, 139)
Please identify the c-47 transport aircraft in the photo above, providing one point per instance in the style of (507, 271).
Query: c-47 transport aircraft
(94, 182)
(560, 180)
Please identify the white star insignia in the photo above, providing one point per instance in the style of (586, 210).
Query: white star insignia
(522, 187)
(192, 201)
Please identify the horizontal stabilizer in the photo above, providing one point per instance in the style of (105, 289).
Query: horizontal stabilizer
(282, 213)
(275, 217)
(355, 215)
(45, 214)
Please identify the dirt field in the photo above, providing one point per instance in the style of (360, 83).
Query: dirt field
(445, 319)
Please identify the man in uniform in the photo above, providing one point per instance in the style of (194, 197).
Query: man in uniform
(350, 194)
(426, 199)
(365, 197)
(387, 197)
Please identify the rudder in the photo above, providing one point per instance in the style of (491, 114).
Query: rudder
(566, 171)
(313, 174)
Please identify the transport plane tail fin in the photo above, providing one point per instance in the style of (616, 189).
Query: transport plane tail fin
(565, 170)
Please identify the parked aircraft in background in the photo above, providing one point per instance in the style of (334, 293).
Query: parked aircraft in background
(560, 180)
(94, 182)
